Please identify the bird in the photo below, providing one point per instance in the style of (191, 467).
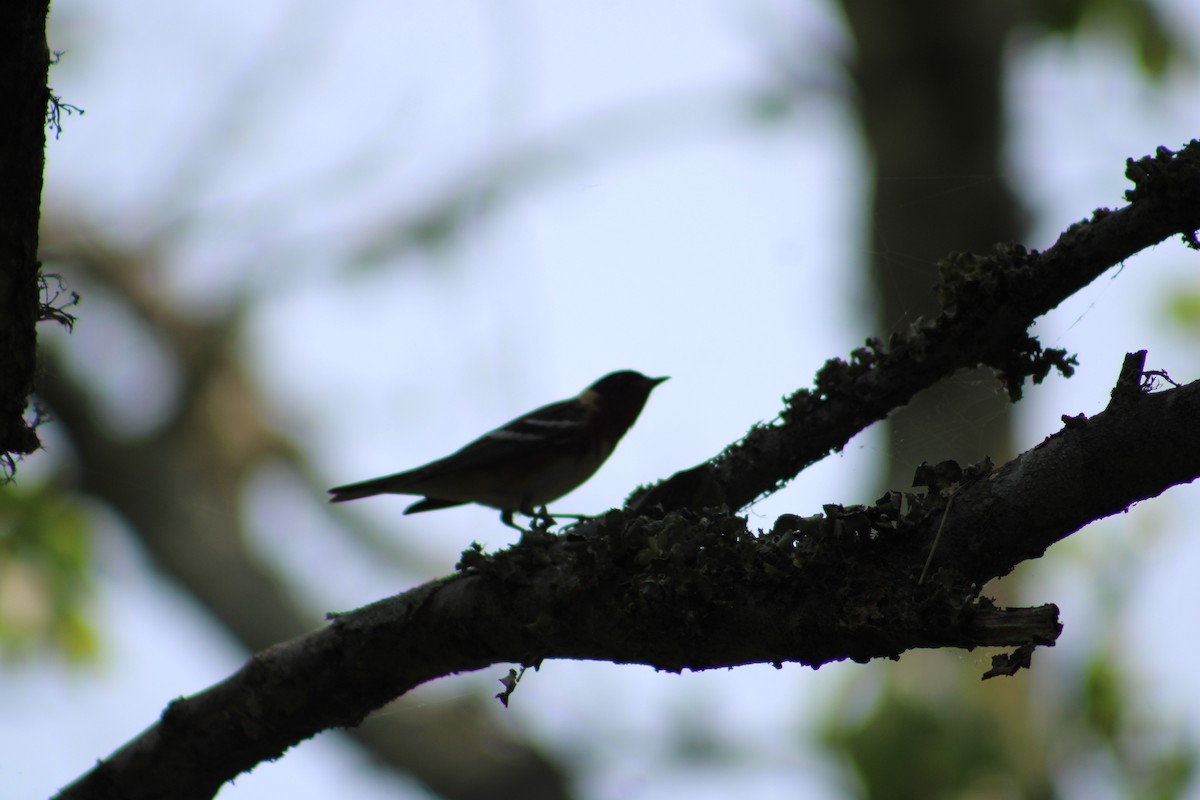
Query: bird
(528, 462)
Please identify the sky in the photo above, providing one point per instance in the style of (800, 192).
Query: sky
(679, 241)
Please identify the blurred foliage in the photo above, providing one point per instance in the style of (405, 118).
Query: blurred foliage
(1157, 43)
(1183, 308)
(935, 731)
(1143, 756)
(947, 741)
(944, 742)
(45, 585)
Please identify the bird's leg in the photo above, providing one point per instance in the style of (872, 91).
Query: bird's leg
(575, 519)
(506, 517)
(543, 517)
(526, 508)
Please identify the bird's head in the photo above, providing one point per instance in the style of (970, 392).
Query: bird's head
(626, 383)
(620, 395)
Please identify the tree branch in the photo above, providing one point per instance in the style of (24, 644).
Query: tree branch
(988, 304)
(1141, 445)
(24, 65)
(216, 436)
(676, 582)
(689, 590)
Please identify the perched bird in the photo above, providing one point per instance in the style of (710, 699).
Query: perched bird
(529, 462)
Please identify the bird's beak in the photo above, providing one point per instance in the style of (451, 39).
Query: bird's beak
(657, 381)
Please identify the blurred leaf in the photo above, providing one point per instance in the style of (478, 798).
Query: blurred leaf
(771, 106)
(916, 747)
(1061, 16)
(1103, 698)
(44, 575)
(1173, 773)
(1183, 308)
(1137, 22)
(76, 638)
(1156, 42)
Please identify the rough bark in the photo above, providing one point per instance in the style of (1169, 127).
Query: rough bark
(677, 582)
(688, 590)
(24, 64)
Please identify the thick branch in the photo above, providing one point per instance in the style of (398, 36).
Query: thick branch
(1141, 445)
(685, 591)
(24, 63)
(177, 487)
(988, 303)
(694, 589)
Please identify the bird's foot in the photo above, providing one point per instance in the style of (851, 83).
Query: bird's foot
(541, 521)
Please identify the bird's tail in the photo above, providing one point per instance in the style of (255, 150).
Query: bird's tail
(353, 491)
(431, 504)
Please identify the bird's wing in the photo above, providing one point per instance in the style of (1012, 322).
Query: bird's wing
(553, 426)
